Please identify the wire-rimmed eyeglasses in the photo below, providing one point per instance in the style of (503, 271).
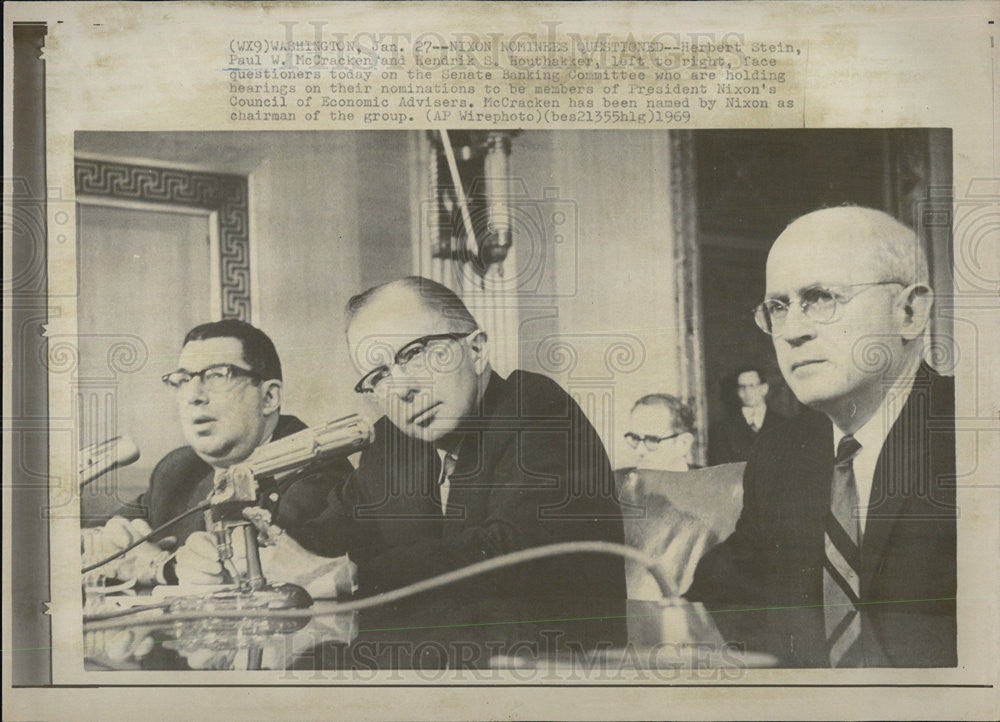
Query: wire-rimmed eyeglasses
(818, 303)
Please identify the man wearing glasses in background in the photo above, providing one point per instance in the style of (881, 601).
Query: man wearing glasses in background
(228, 388)
(465, 466)
(846, 542)
(661, 433)
(731, 438)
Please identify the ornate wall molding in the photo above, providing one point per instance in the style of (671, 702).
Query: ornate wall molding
(224, 194)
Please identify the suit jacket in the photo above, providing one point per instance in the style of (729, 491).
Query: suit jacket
(181, 481)
(531, 471)
(773, 560)
(730, 439)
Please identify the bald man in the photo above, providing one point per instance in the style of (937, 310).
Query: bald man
(847, 534)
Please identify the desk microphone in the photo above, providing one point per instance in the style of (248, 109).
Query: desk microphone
(238, 488)
(101, 457)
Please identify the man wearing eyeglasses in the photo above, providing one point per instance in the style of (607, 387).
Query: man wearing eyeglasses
(731, 438)
(466, 466)
(847, 534)
(228, 388)
(661, 433)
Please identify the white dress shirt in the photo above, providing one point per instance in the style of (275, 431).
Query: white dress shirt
(754, 415)
(872, 436)
(448, 461)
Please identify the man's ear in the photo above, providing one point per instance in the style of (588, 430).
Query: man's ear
(270, 396)
(685, 441)
(480, 346)
(767, 389)
(915, 307)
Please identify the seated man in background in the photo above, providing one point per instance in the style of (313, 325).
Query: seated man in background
(730, 439)
(847, 534)
(661, 433)
(228, 388)
(465, 466)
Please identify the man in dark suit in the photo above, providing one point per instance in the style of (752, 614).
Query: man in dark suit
(466, 466)
(845, 548)
(730, 439)
(228, 387)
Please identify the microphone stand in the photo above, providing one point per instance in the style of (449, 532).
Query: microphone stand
(239, 487)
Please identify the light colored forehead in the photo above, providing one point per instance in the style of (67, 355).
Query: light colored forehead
(392, 320)
(652, 414)
(197, 355)
(748, 377)
(811, 252)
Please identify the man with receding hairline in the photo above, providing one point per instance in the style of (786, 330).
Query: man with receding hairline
(466, 466)
(661, 433)
(847, 534)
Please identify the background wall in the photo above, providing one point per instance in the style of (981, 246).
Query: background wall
(329, 216)
(149, 254)
(604, 319)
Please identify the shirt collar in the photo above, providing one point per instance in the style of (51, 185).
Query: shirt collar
(754, 414)
(445, 455)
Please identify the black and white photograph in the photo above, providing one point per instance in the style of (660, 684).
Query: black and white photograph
(467, 382)
(464, 372)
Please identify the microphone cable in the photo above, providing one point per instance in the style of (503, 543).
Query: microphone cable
(102, 622)
(122, 552)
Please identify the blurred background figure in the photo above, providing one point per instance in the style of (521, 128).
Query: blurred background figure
(661, 433)
(730, 439)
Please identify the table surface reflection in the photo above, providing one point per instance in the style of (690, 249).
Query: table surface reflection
(432, 632)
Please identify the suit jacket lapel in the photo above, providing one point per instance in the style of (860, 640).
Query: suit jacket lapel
(472, 438)
(900, 471)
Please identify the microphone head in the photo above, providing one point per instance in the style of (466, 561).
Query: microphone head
(126, 452)
(103, 456)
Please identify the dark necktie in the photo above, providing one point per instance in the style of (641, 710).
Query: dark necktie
(448, 462)
(841, 568)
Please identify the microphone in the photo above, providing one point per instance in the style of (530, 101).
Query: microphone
(237, 488)
(340, 437)
(103, 456)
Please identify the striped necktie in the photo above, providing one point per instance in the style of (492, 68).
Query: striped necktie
(841, 580)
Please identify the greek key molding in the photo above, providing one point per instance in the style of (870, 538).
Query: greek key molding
(225, 194)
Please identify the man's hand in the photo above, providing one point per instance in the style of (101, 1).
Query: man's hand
(282, 560)
(324, 578)
(142, 564)
(198, 560)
